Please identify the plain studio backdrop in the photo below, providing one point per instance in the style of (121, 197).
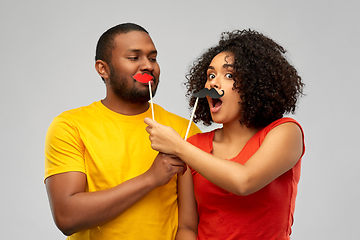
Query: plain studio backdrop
(47, 66)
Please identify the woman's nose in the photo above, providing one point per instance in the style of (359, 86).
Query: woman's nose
(214, 83)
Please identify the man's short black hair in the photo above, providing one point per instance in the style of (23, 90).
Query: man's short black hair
(105, 44)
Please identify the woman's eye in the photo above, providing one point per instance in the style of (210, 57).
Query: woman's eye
(211, 76)
(229, 75)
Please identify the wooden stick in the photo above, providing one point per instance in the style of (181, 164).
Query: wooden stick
(191, 118)
(151, 102)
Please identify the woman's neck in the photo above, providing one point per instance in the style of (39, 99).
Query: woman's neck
(230, 139)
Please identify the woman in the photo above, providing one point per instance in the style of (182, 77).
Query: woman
(245, 174)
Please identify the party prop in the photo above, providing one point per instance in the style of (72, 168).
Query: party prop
(208, 92)
(146, 78)
(201, 94)
(143, 78)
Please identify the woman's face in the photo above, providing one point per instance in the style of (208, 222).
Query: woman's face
(220, 76)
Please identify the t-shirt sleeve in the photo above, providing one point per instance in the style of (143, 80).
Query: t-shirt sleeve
(193, 130)
(64, 149)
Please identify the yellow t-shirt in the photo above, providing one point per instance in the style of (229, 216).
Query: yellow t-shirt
(111, 148)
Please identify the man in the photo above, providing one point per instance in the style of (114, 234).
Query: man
(103, 179)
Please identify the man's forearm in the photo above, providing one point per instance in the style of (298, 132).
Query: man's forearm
(84, 210)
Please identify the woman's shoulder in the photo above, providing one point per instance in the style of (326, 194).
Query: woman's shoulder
(203, 140)
(279, 122)
(284, 126)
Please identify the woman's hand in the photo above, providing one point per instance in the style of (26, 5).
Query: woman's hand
(163, 138)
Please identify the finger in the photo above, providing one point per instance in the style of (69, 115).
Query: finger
(148, 129)
(176, 161)
(183, 172)
(185, 168)
(149, 122)
(172, 156)
(178, 169)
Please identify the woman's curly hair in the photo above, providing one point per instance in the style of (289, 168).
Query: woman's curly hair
(268, 84)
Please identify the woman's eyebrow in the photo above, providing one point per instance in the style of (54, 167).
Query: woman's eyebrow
(228, 66)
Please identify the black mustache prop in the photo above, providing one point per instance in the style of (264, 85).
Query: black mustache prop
(208, 92)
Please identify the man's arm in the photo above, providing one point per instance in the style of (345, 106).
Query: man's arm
(74, 209)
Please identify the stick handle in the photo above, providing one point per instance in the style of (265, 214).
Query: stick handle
(151, 102)
(191, 118)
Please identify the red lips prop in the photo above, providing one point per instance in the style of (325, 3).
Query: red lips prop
(143, 78)
(146, 78)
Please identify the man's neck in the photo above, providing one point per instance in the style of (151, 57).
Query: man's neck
(125, 108)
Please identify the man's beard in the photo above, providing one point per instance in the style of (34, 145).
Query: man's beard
(132, 95)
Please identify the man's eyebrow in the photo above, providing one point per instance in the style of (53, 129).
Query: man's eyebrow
(133, 50)
(138, 51)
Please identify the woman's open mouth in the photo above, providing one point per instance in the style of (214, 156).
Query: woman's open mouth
(215, 104)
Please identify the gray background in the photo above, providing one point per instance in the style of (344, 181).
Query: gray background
(47, 66)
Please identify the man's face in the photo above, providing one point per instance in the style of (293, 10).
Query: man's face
(134, 52)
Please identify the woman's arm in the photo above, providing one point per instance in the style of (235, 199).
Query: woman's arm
(188, 217)
(279, 152)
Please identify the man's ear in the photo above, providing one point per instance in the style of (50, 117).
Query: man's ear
(103, 69)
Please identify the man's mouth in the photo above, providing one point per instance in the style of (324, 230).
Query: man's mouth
(143, 78)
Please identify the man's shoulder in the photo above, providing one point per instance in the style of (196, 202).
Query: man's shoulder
(163, 113)
(179, 123)
(80, 110)
(76, 114)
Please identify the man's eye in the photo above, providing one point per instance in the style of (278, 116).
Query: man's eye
(152, 59)
(132, 58)
(229, 75)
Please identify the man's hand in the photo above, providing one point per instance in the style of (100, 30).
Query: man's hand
(164, 168)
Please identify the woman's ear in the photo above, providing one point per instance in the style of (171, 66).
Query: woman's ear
(103, 69)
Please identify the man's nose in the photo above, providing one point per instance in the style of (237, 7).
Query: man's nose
(146, 65)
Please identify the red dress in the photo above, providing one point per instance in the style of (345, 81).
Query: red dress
(265, 215)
